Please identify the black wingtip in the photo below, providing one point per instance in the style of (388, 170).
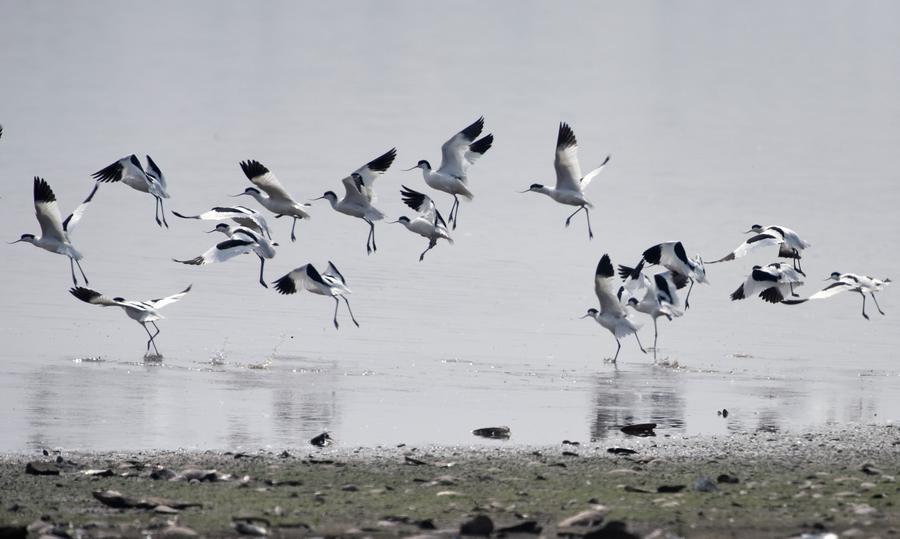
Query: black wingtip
(110, 173)
(253, 168)
(738, 294)
(681, 280)
(285, 285)
(384, 161)
(482, 145)
(411, 198)
(772, 295)
(42, 191)
(84, 294)
(653, 254)
(624, 271)
(473, 130)
(566, 137)
(605, 267)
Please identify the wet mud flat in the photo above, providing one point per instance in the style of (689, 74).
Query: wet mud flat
(842, 481)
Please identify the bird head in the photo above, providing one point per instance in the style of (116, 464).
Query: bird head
(423, 164)
(755, 228)
(591, 313)
(252, 191)
(221, 227)
(329, 196)
(835, 276)
(533, 187)
(402, 219)
(28, 238)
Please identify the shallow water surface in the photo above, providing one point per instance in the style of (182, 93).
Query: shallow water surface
(716, 118)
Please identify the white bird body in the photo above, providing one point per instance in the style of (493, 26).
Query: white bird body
(373, 170)
(428, 223)
(612, 314)
(773, 283)
(54, 231)
(144, 312)
(672, 256)
(329, 283)
(457, 155)
(242, 215)
(357, 202)
(277, 200)
(241, 240)
(789, 242)
(850, 282)
(570, 184)
(128, 170)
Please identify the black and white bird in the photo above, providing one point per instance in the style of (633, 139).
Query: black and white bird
(241, 240)
(241, 215)
(54, 231)
(773, 283)
(654, 296)
(612, 314)
(129, 171)
(849, 282)
(428, 223)
(330, 283)
(356, 203)
(373, 170)
(789, 243)
(570, 184)
(277, 200)
(144, 312)
(457, 155)
(672, 256)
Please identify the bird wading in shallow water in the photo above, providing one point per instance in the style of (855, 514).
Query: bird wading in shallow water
(54, 231)
(129, 171)
(457, 155)
(330, 283)
(654, 296)
(849, 282)
(143, 312)
(277, 200)
(612, 314)
(570, 184)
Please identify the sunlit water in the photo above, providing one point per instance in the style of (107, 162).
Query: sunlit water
(717, 117)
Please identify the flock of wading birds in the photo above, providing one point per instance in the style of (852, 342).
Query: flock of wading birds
(654, 295)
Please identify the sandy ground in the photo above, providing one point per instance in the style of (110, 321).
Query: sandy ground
(743, 485)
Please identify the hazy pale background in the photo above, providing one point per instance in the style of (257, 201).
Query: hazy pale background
(718, 115)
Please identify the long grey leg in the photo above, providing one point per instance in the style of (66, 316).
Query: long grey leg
(641, 346)
(370, 239)
(618, 347)
(431, 245)
(655, 335)
(876, 302)
(864, 305)
(687, 303)
(72, 267)
(82, 272)
(162, 211)
(587, 214)
(151, 341)
(454, 210)
(293, 226)
(262, 264)
(337, 303)
(569, 218)
(350, 311)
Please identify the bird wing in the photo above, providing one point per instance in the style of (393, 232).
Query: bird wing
(74, 217)
(586, 180)
(127, 170)
(92, 296)
(834, 288)
(260, 176)
(162, 302)
(155, 174)
(604, 284)
(303, 278)
(422, 203)
(760, 240)
(373, 169)
(453, 152)
(355, 191)
(568, 171)
(222, 251)
(334, 272)
(478, 148)
(47, 211)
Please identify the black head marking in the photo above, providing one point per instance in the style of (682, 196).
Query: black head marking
(27, 237)
(118, 299)
(403, 219)
(835, 275)
(592, 312)
(535, 186)
(251, 190)
(424, 164)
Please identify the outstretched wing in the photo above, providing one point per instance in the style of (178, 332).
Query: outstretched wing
(162, 302)
(586, 180)
(47, 211)
(604, 286)
(760, 240)
(260, 176)
(453, 152)
(834, 288)
(92, 296)
(373, 169)
(422, 203)
(221, 252)
(306, 277)
(154, 172)
(568, 171)
(478, 148)
(355, 191)
(334, 272)
(74, 217)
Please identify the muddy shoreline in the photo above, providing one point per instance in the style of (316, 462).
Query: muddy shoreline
(742, 485)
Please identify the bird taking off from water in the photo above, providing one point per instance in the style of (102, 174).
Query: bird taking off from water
(428, 223)
(612, 314)
(330, 283)
(242, 215)
(789, 243)
(654, 296)
(241, 240)
(570, 184)
(54, 231)
(129, 171)
(849, 282)
(457, 155)
(277, 200)
(143, 312)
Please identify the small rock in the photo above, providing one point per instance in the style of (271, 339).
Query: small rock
(41, 468)
(258, 527)
(414, 461)
(350, 488)
(322, 440)
(98, 473)
(569, 442)
(613, 529)
(705, 484)
(177, 532)
(726, 478)
(480, 525)
(529, 526)
(162, 474)
(621, 451)
(165, 510)
(629, 488)
(12, 531)
(284, 455)
(592, 517)
(444, 480)
(640, 429)
(569, 454)
(502, 433)
(868, 469)
(667, 489)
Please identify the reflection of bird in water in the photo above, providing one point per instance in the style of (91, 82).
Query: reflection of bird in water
(612, 314)
(654, 296)
(849, 282)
